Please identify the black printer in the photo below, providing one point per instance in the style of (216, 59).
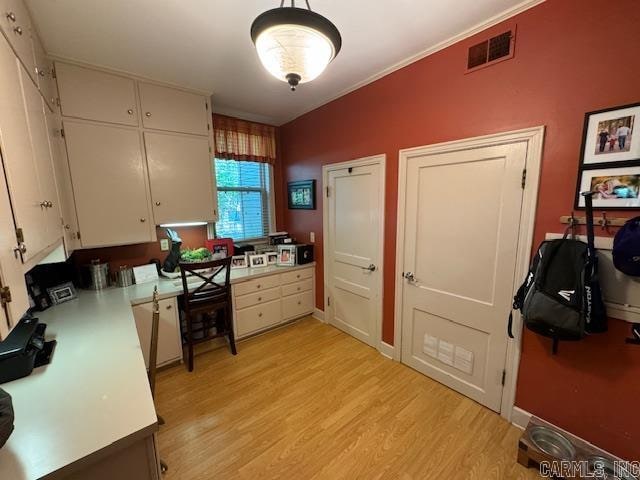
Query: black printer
(24, 349)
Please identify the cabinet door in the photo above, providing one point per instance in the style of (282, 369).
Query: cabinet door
(165, 108)
(16, 23)
(181, 177)
(63, 181)
(108, 178)
(45, 74)
(50, 230)
(17, 154)
(95, 95)
(169, 342)
(11, 274)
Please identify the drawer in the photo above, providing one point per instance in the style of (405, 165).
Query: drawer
(297, 275)
(257, 285)
(298, 287)
(297, 305)
(252, 299)
(253, 319)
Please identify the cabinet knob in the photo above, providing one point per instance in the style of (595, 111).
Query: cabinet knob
(43, 204)
(142, 220)
(260, 314)
(298, 288)
(259, 299)
(158, 204)
(148, 114)
(11, 16)
(168, 307)
(299, 302)
(298, 276)
(258, 286)
(18, 30)
(130, 111)
(49, 204)
(67, 227)
(40, 72)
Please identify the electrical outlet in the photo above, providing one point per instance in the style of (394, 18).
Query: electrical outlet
(312, 237)
(164, 244)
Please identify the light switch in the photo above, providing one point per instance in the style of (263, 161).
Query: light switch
(430, 346)
(164, 244)
(464, 360)
(312, 237)
(445, 352)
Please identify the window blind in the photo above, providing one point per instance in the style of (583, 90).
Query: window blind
(244, 199)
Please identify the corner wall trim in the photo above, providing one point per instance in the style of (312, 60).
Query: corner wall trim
(318, 314)
(520, 418)
(386, 350)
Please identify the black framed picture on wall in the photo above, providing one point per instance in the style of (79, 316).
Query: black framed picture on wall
(610, 158)
(302, 195)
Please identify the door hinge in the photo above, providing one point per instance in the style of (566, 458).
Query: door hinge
(209, 149)
(504, 377)
(328, 301)
(208, 127)
(79, 237)
(53, 72)
(19, 235)
(524, 177)
(57, 101)
(327, 190)
(5, 295)
(62, 133)
(206, 105)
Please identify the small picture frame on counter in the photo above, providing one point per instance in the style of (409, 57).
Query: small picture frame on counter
(248, 254)
(258, 261)
(238, 261)
(62, 293)
(272, 258)
(286, 255)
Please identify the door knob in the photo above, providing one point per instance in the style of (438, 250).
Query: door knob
(370, 268)
(410, 276)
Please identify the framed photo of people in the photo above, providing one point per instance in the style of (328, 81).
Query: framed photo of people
(610, 158)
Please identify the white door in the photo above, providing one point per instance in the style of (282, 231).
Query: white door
(461, 225)
(353, 257)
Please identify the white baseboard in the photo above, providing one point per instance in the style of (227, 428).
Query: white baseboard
(520, 418)
(386, 350)
(318, 314)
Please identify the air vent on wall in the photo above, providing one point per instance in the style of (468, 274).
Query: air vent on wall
(491, 51)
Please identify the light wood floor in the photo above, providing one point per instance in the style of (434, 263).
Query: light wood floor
(310, 402)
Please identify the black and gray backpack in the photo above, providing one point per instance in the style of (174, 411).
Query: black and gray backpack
(561, 297)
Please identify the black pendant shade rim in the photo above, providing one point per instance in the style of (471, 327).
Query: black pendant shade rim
(297, 16)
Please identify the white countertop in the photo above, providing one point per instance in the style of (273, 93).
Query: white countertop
(95, 391)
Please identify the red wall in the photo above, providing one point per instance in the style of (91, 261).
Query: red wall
(571, 56)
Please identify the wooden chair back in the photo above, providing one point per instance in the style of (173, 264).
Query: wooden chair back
(215, 287)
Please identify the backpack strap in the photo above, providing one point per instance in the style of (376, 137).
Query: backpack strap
(588, 202)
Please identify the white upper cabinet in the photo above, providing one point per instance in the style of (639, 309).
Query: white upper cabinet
(69, 221)
(96, 95)
(181, 177)
(165, 108)
(50, 230)
(16, 23)
(17, 156)
(109, 184)
(44, 73)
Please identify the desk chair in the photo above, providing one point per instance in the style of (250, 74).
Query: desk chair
(208, 305)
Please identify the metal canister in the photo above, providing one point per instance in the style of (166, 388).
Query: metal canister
(96, 275)
(123, 277)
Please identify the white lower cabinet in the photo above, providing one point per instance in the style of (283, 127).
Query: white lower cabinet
(262, 303)
(169, 341)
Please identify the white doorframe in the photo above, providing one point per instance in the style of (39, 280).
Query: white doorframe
(380, 160)
(534, 138)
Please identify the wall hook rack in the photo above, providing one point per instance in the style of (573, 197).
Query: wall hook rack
(604, 221)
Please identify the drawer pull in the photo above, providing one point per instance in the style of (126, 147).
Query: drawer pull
(258, 286)
(299, 302)
(298, 288)
(259, 299)
(260, 314)
(298, 276)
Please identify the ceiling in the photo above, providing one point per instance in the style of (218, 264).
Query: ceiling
(205, 44)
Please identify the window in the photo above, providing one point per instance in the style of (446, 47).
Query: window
(244, 199)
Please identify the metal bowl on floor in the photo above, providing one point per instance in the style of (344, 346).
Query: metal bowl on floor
(599, 465)
(552, 443)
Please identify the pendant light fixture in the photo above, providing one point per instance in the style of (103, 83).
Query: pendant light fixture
(295, 44)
